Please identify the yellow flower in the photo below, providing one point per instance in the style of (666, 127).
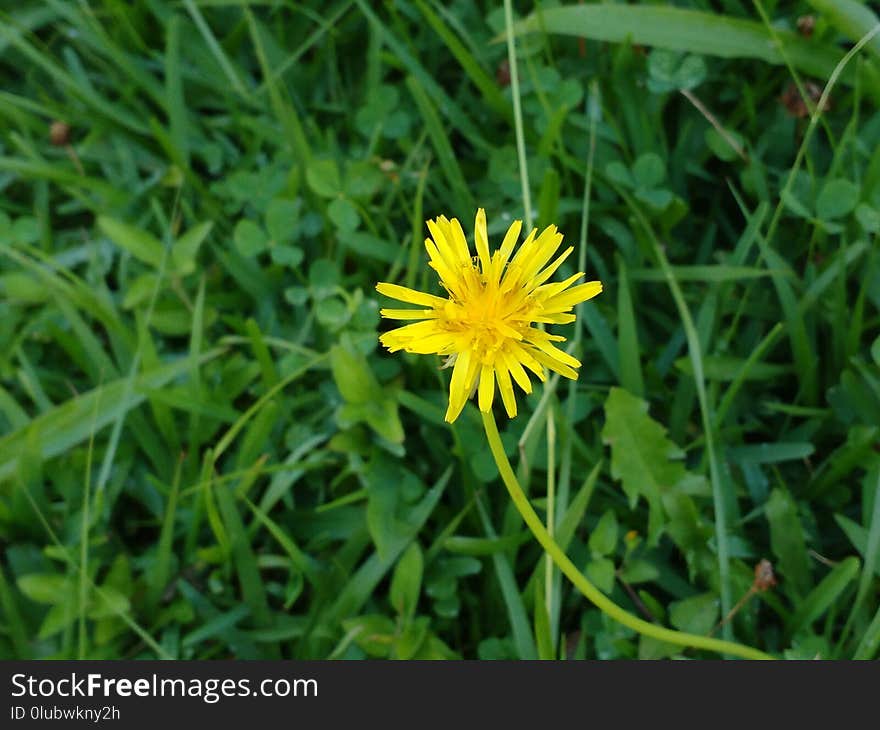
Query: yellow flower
(485, 325)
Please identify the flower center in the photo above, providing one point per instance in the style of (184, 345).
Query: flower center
(484, 323)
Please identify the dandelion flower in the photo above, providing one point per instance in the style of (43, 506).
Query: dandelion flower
(486, 323)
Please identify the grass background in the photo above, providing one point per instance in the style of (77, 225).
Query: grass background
(204, 454)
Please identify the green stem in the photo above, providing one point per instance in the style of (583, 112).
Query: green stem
(599, 599)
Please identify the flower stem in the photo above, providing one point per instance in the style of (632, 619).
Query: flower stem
(596, 597)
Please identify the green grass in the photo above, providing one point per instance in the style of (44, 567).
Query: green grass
(204, 452)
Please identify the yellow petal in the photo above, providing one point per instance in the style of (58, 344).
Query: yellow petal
(463, 372)
(516, 370)
(487, 388)
(505, 387)
(408, 313)
(574, 296)
(481, 238)
(411, 296)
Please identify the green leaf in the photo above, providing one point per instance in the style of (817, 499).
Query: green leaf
(696, 615)
(290, 256)
(671, 71)
(617, 172)
(332, 313)
(370, 246)
(387, 520)
(601, 572)
(406, 581)
(720, 146)
(868, 218)
(323, 178)
(323, 278)
(771, 453)
(343, 215)
(821, 598)
(787, 540)
(649, 171)
(106, 601)
(363, 180)
(837, 199)
(692, 31)
(140, 244)
(281, 218)
(353, 376)
(411, 638)
(186, 248)
(603, 538)
(656, 198)
(642, 457)
(373, 633)
(250, 240)
(49, 588)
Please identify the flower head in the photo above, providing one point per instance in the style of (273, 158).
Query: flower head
(486, 323)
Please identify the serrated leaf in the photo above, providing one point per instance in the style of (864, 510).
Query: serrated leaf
(643, 459)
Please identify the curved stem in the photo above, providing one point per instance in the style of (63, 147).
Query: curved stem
(596, 597)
